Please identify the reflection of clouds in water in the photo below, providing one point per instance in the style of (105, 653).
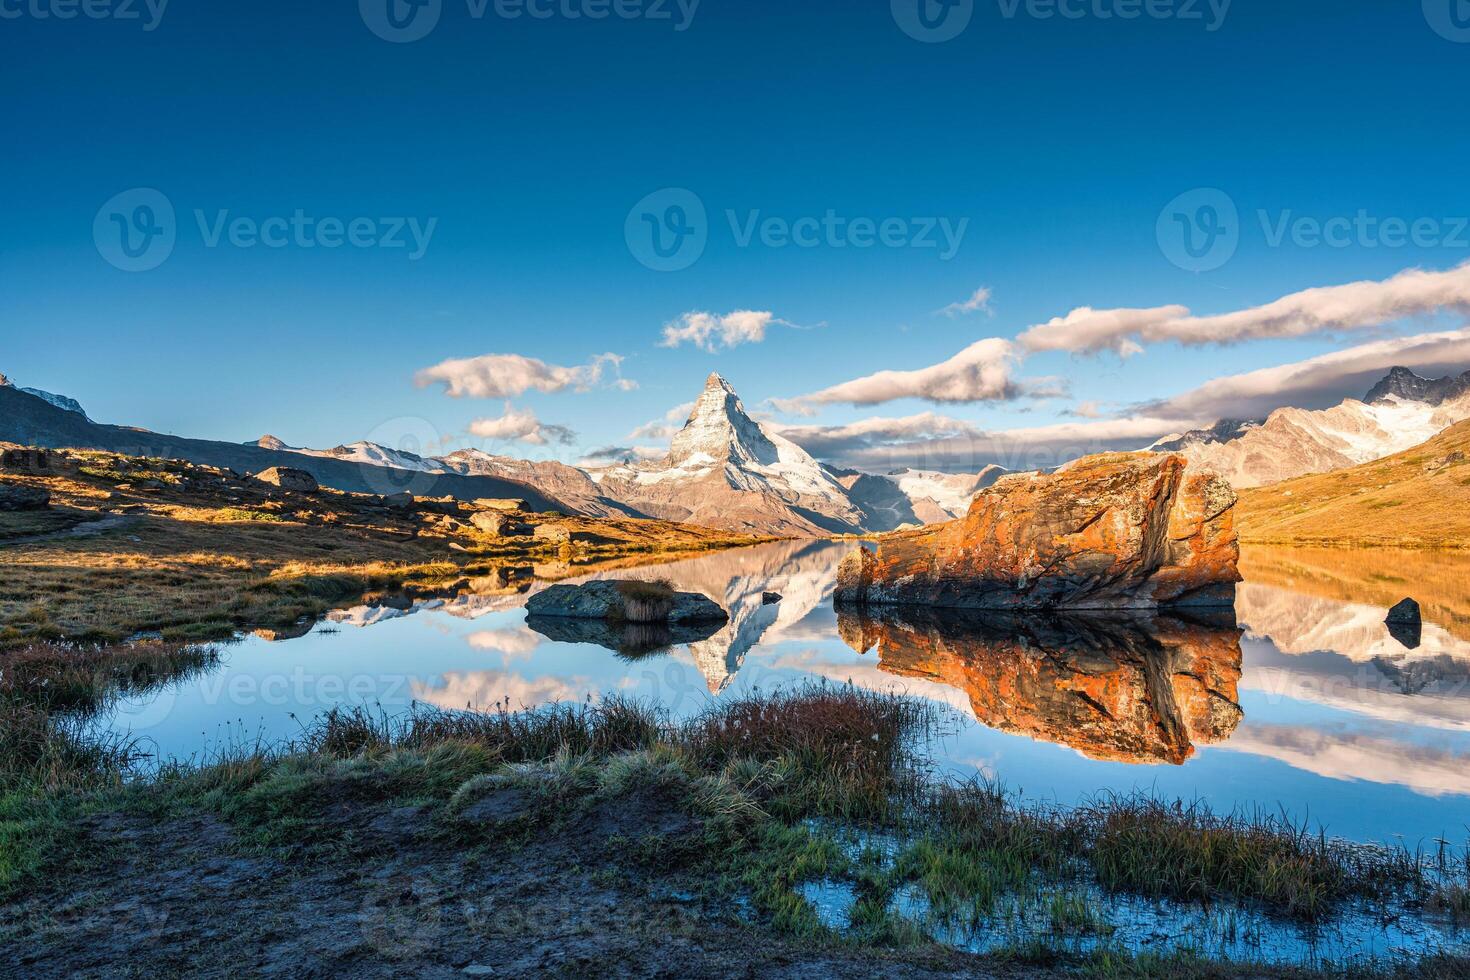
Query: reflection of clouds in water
(517, 643)
(1426, 770)
(866, 675)
(482, 689)
(1369, 695)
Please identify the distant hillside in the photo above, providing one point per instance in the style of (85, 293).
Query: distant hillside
(33, 421)
(1419, 498)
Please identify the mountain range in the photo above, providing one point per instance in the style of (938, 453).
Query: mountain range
(1402, 411)
(725, 469)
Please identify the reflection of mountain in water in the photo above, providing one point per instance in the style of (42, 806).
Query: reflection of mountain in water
(1378, 577)
(632, 640)
(803, 572)
(1127, 690)
(1300, 624)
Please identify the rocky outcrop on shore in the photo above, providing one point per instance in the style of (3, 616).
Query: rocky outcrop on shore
(1115, 531)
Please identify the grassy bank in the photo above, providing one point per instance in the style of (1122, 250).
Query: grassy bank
(721, 820)
(136, 545)
(1417, 499)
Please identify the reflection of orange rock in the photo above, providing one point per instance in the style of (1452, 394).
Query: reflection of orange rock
(1118, 530)
(1142, 691)
(280, 634)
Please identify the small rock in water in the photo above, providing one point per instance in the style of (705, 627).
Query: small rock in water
(1406, 612)
(479, 970)
(1405, 624)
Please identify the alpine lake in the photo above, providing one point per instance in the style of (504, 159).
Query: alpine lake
(1303, 704)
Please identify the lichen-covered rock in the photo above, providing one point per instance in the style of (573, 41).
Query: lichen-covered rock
(1115, 531)
(509, 505)
(553, 533)
(498, 525)
(1146, 690)
(604, 599)
(288, 478)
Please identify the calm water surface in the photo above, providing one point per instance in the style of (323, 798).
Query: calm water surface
(1311, 706)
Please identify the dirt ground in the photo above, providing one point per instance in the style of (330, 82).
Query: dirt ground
(188, 897)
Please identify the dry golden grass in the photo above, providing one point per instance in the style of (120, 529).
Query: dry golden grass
(1416, 499)
(1438, 580)
(197, 553)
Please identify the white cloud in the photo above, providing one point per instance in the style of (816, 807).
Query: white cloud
(980, 372)
(521, 425)
(937, 442)
(713, 332)
(512, 375)
(1329, 309)
(931, 441)
(665, 428)
(979, 302)
(517, 643)
(1319, 381)
(1086, 329)
(611, 455)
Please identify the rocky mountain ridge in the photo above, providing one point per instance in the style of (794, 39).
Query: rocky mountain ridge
(1402, 411)
(724, 469)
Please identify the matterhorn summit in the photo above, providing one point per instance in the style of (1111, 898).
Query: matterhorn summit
(719, 429)
(726, 469)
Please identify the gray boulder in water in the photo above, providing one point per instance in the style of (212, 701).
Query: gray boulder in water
(634, 602)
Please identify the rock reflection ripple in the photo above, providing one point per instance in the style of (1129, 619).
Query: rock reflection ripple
(1143, 690)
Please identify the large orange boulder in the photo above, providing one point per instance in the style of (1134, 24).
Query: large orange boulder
(1115, 531)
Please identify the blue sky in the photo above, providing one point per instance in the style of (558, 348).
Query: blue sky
(1057, 141)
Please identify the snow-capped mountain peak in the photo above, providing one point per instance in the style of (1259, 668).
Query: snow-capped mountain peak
(720, 430)
(58, 401)
(723, 469)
